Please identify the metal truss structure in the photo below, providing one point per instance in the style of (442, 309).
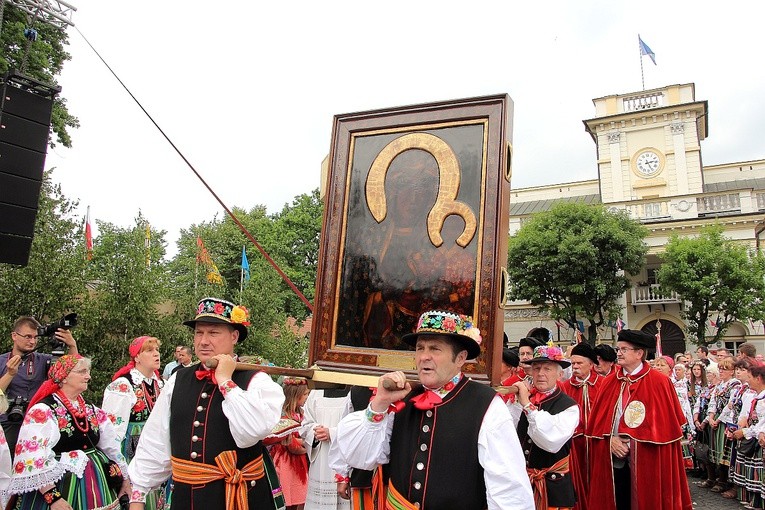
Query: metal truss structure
(53, 12)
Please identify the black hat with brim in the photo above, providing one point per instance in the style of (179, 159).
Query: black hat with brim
(218, 311)
(638, 338)
(606, 352)
(449, 324)
(584, 350)
(529, 342)
(510, 358)
(543, 354)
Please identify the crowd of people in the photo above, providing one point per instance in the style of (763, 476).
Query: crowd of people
(591, 428)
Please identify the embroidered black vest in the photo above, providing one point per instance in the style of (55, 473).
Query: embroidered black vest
(434, 454)
(199, 431)
(560, 488)
(71, 437)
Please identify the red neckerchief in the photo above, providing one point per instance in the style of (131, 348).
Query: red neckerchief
(203, 374)
(429, 398)
(536, 397)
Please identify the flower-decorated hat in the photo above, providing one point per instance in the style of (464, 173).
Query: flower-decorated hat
(218, 311)
(549, 353)
(457, 326)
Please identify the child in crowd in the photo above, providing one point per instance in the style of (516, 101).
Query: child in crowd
(287, 448)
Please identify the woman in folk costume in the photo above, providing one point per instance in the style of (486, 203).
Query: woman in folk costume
(721, 446)
(68, 453)
(752, 418)
(704, 433)
(289, 452)
(735, 416)
(130, 397)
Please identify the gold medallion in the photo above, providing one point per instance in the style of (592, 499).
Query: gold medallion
(634, 414)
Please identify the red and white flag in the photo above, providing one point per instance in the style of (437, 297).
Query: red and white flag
(88, 237)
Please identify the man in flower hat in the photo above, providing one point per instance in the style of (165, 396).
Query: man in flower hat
(635, 431)
(545, 429)
(207, 425)
(449, 443)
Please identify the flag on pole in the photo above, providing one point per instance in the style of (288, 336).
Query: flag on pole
(213, 275)
(560, 325)
(88, 237)
(245, 266)
(645, 50)
(658, 339)
(147, 245)
(619, 324)
(713, 323)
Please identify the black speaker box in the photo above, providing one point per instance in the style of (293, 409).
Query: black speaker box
(15, 249)
(25, 112)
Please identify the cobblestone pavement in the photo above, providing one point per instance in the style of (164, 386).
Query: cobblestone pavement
(704, 499)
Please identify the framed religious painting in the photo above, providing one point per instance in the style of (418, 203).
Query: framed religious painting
(416, 218)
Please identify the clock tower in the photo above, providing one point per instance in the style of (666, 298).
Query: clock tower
(649, 143)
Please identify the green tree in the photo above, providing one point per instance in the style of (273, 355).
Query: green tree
(53, 282)
(573, 261)
(297, 231)
(716, 277)
(126, 298)
(41, 60)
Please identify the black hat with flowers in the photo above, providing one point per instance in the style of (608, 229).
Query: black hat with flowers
(454, 325)
(549, 353)
(219, 311)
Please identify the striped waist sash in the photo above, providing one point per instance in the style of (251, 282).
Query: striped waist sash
(197, 473)
(539, 482)
(395, 501)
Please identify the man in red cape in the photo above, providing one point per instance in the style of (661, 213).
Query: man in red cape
(583, 387)
(637, 460)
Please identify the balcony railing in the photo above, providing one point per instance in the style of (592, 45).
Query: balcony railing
(649, 211)
(716, 204)
(644, 102)
(649, 295)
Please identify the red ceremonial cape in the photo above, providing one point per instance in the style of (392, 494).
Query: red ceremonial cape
(580, 445)
(657, 470)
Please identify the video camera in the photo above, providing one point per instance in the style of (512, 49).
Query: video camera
(17, 409)
(58, 348)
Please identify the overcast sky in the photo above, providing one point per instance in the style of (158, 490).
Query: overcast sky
(247, 90)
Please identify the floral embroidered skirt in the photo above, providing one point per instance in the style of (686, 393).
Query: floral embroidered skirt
(91, 492)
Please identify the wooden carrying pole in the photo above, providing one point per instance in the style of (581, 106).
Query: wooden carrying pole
(318, 378)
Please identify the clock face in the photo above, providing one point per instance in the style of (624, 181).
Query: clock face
(648, 163)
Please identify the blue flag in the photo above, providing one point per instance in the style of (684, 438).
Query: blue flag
(245, 266)
(645, 50)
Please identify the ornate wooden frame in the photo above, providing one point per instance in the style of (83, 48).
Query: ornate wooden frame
(469, 142)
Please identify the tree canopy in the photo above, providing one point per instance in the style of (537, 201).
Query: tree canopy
(717, 278)
(573, 260)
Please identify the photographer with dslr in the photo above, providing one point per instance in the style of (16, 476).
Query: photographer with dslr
(24, 370)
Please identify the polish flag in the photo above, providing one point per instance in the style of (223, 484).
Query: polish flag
(88, 237)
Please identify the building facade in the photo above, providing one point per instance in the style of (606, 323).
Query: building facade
(649, 162)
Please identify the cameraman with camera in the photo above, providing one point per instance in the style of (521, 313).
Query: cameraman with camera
(24, 370)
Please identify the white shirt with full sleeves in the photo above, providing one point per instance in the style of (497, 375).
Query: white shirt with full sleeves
(551, 431)
(251, 413)
(364, 444)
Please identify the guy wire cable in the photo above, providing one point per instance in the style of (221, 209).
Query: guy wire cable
(191, 167)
